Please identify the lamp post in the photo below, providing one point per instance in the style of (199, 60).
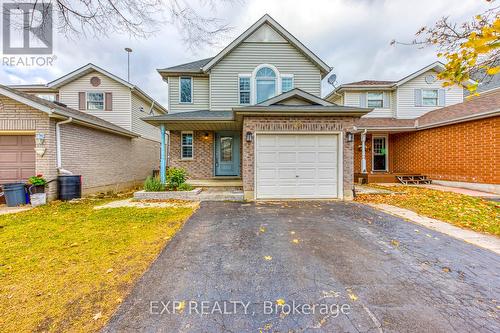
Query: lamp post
(128, 50)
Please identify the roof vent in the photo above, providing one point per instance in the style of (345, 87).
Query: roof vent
(59, 103)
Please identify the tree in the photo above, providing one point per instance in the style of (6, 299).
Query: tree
(470, 49)
(136, 18)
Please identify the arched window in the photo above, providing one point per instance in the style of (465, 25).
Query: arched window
(266, 84)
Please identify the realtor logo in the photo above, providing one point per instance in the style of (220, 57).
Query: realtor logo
(27, 28)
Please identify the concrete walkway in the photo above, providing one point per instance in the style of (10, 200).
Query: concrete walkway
(458, 190)
(12, 210)
(491, 243)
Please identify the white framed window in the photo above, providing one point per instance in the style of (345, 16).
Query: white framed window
(265, 83)
(185, 89)
(187, 145)
(286, 82)
(48, 97)
(244, 88)
(95, 101)
(375, 99)
(430, 97)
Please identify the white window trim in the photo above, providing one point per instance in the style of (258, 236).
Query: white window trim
(253, 81)
(437, 98)
(42, 95)
(87, 100)
(376, 92)
(287, 76)
(192, 88)
(192, 146)
(386, 155)
(244, 76)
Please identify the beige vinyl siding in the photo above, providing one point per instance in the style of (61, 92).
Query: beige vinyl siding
(200, 95)
(352, 98)
(120, 115)
(246, 57)
(138, 125)
(337, 99)
(406, 96)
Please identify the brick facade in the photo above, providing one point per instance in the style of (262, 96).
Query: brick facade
(298, 125)
(464, 152)
(106, 161)
(201, 165)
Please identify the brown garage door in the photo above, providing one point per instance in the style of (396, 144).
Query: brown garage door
(17, 158)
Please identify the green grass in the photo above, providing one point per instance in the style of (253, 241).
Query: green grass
(461, 210)
(66, 267)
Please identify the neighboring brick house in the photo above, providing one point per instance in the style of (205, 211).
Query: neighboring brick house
(101, 135)
(254, 113)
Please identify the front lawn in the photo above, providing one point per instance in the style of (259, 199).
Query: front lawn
(461, 210)
(66, 267)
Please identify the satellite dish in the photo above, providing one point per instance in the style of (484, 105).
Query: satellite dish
(332, 79)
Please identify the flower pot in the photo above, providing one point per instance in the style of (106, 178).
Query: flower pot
(34, 189)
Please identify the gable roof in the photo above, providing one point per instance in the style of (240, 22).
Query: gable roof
(485, 105)
(295, 94)
(84, 70)
(378, 84)
(190, 67)
(61, 111)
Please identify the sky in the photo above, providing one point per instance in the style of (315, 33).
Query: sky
(352, 36)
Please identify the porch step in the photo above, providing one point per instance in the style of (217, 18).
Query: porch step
(414, 179)
(216, 182)
(221, 194)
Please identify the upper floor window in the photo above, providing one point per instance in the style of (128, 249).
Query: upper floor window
(244, 89)
(95, 101)
(286, 83)
(48, 97)
(185, 89)
(375, 99)
(430, 97)
(265, 82)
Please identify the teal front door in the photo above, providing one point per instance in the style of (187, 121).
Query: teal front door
(227, 153)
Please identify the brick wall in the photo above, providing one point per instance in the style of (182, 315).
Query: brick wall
(296, 124)
(107, 161)
(18, 117)
(201, 166)
(466, 152)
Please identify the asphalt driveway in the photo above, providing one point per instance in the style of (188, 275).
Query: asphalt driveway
(359, 269)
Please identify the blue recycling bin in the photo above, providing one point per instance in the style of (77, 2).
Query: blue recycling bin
(15, 194)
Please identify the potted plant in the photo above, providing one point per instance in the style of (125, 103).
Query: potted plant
(37, 184)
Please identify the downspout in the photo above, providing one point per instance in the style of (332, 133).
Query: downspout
(163, 161)
(363, 153)
(58, 146)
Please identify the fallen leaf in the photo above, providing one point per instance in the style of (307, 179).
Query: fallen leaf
(395, 243)
(280, 301)
(262, 229)
(181, 306)
(292, 232)
(446, 269)
(351, 295)
(296, 241)
(97, 316)
(109, 270)
(268, 258)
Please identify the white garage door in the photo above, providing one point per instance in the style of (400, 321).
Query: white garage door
(297, 166)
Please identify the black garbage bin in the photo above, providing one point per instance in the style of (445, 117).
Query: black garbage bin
(15, 194)
(69, 187)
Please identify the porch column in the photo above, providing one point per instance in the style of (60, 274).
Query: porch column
(163, 160)
(363, 153)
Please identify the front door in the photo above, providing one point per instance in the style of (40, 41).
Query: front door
(227, 153)
(379, 153)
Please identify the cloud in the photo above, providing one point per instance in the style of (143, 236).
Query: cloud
(352, 36)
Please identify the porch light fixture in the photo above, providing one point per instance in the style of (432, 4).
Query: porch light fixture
(349, 136)
(205, 135)
(40, 139)
(249, 137)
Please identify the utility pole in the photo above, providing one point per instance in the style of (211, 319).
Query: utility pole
(128, 50)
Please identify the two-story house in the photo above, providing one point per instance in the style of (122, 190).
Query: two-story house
(254, 112)
(420, 129)
(87, 122)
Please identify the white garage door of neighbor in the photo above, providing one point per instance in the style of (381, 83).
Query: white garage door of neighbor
(296, 166)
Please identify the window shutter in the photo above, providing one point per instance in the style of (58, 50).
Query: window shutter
(441, 97)
(418, 97)
(362, 100)
(57, 97)
(81, 101)
(109, 102)
(387, 100)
